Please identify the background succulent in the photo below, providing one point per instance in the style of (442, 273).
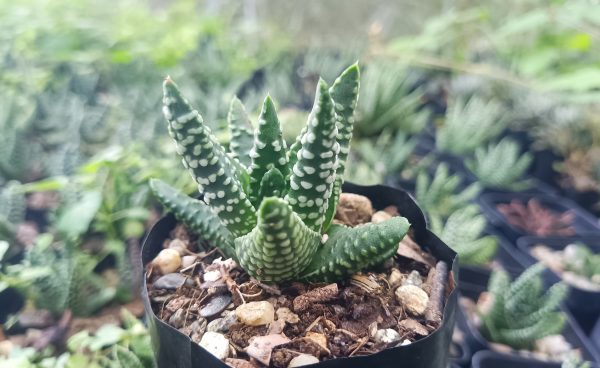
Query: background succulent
(469, 124)
(440, 195)
(521, 312)
(462, 231)
(501, 165)
(271, 215)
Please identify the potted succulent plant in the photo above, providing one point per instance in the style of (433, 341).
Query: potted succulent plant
(574, 260)
(521, 318)
(345, 292)
(490, 359)
(529, 214)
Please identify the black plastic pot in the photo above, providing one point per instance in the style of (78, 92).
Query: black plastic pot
(176, 350)
(595, 335)
(589, 199)
(11, 301)
(476, 284)
(543, 166)
(460, 353)
(584, 223)
(584, 304)
(490, 359)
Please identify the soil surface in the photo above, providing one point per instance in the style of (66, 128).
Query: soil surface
(249, 324)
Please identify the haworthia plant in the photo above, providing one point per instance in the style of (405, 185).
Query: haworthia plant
(462, 231)
(272, 213)
(501, 165)
(521, 313)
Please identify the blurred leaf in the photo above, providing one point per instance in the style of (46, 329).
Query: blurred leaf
(76, 220)
(107, 335)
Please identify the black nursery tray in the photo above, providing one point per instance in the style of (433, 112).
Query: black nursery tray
(491, 359)
(477, 282)
(584, 304)
(584, 223)
(173, 349)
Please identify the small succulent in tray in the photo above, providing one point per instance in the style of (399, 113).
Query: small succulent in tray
(463, 233)
(580, 260)
(500, 165)
(270, 207)
(440, 196)
(537, 220)
(574, 361)
(469, 125)
(520, 313)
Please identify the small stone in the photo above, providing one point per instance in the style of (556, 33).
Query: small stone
(172, 281)
(410, 325)
(187, 261)
(380, 216)
(553, 346)
(216, 344)
(212, 276)
(167, 261)
(179, 246)
(354, 209)
(215, 306)
(178, 318)
(198, 326)
(261, 347)
(395, 278)
(287, 315)
(256, 313)
(386, 336)
(413, 278)
(319, 338)
(302, 360)
(413, 299)
(222, 324)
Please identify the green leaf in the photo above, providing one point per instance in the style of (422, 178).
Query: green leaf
(272, 184)
(350, 250)
(209, 165)
(269, 150)
(280, 246)
(196, 215)
(313, 175)
(242, 134)
(77, 218)
(107, 335)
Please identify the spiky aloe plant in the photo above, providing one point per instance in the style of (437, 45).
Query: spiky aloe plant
(272, 212)
(501, 165)
(521, 313)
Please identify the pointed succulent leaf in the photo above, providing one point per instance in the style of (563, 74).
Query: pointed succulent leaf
(295, 147)
(523, 338)
(344, 94)
(196, 215)
(208, 163)
(350, 250)
(280, 246)
(313, 174)
(272, 184)
(242, 134)
(269, 149)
